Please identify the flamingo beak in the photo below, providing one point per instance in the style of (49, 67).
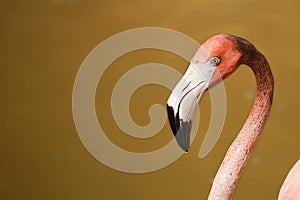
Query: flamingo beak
(185, 98)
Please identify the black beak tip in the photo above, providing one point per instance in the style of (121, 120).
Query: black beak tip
(180, 128)
(173, 119)
(183, 135)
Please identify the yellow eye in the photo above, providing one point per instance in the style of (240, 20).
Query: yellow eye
(215, 61)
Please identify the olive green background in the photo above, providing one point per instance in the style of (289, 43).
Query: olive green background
(42, 46)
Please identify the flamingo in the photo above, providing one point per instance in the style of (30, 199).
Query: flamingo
(216, 59)
(291, 186)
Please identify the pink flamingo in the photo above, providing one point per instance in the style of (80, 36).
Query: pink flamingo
(215, 60)
(290, 189)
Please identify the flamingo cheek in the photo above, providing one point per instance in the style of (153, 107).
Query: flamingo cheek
(216, 78)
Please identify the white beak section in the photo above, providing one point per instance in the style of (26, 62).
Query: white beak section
(184, 99)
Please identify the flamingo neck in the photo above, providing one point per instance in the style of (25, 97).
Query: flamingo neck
(240, 150)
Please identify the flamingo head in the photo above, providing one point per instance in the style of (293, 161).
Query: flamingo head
(215, 60)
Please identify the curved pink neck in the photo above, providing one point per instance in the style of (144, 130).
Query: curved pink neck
(240, 150)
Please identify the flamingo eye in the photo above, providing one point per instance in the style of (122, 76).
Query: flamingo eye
(215, 60)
